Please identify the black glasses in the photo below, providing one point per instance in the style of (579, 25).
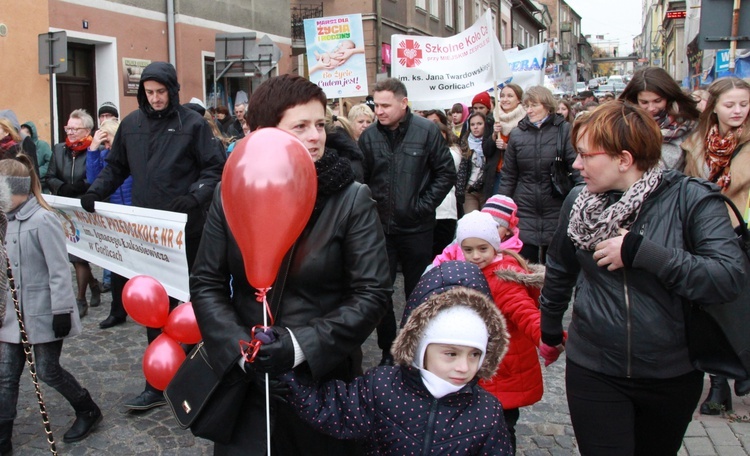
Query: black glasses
(70, 130)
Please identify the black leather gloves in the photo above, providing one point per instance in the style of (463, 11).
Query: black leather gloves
(61, 324)
(183, 204)
(88, 200)
(72, 190)
(277, 357)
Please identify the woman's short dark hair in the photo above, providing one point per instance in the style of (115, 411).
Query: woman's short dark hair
(658, 81)
(272, 98)
(617, 126)
(222, 110)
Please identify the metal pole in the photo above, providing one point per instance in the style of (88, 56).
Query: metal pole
(51, 91)
(735, 31)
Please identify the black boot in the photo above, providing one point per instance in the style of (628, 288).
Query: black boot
(88, 415)
(742, 387)
(719, 397)
(6, 432)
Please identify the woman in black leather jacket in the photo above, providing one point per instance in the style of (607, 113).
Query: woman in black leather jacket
(333, 296)
(630, 385)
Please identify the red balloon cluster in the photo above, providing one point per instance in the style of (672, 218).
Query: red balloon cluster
(147, 302)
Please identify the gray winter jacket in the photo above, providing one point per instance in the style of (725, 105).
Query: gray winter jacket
(526, 176)
(39, 261)
(630, 322)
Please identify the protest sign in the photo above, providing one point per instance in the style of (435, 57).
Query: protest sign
(127, 240)
(336, 55)
(439, 72)
(527, 65)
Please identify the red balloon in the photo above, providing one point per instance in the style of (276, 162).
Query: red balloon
(268, 191)
(146, 301)
(182, 326)
(161, 360)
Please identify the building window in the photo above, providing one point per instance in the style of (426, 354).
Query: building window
(449, 13)
(434, 8)
(421, 4)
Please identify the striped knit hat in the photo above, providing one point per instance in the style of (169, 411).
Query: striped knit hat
(503, 209)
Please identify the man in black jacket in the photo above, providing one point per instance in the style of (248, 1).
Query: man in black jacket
(175, 162)
(409, 169)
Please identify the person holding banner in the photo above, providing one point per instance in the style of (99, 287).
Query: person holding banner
(66, 176)
(410, 170)
(175, 162)
(532, 147)
(330, 295)
(97, 153)
(508, 112)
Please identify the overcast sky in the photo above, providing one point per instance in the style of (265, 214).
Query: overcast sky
(615, 19)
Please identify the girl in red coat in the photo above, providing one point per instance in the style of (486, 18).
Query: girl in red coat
(515, 288)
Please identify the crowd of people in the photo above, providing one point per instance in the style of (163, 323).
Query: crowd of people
(458, 199)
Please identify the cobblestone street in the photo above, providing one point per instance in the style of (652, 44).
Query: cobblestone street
(108, 364)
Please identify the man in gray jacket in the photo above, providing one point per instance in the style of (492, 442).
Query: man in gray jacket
(409, 169)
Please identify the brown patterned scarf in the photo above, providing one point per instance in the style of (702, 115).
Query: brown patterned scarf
(719, 153)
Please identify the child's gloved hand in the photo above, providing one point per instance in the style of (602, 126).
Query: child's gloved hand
(550, 353)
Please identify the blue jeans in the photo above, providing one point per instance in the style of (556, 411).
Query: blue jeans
(48, 369)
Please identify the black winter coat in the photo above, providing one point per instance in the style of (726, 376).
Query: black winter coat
(491, 155)
(170, 153)
(335, 293)
(64, 168)
(630, 322)
(525, 176)
(410, 176)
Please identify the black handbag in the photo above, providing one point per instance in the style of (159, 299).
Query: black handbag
(200, 399)
(717, 334)
(560, 175)
(204, 401)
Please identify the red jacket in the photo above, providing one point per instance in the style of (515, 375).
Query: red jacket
(518, 381)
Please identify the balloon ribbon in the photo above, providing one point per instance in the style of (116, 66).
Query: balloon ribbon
(261, 333)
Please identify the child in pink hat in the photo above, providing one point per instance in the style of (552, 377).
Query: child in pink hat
(503, 210)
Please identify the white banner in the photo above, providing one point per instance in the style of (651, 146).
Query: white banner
(336, 55)
(128, 240)
(439, 72)
(527, 65)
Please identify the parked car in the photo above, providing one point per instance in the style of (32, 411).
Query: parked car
(580, 87)
(593, 84)
(619, 87)
(615, 79)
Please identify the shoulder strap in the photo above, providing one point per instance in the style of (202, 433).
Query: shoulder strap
(559, 149)
(741, 230)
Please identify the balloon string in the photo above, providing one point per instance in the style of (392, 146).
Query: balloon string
(261, 296)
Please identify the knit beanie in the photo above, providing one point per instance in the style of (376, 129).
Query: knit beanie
(503, 209)
(457, 325)
(483, 98)
(108, 108)
(478, 225)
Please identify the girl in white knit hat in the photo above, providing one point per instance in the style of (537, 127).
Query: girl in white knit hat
(515, 288)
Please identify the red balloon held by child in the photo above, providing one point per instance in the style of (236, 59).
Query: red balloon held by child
(268, 191)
